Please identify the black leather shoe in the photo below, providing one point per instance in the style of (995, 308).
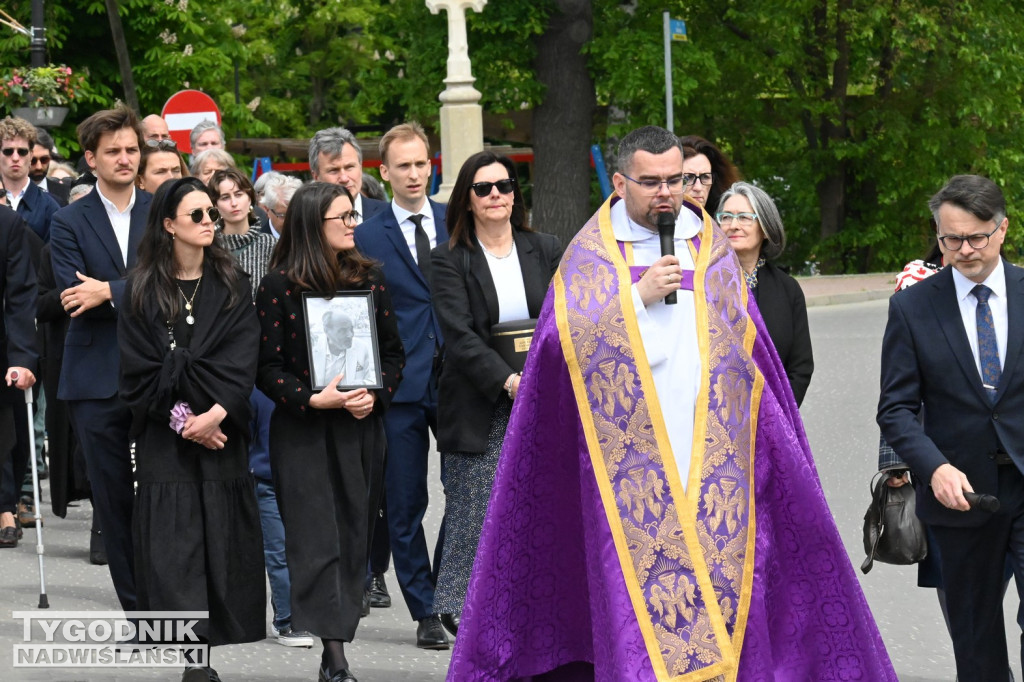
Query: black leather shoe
(343, 675)
(366, 604)
(379, 597)
(97, 551)
(200, 675)
(430, 634)
(450, 622)
(8, 537)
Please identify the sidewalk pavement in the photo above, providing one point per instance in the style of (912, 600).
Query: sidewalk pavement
(836, 289)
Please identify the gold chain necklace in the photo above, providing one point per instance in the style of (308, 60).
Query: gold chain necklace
(188, 301)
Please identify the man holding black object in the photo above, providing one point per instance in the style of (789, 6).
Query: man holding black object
(951, 352)
(656, 456)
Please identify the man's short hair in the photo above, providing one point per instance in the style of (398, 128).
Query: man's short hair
(12, 127)
(651, 139)
(43, 139)
(201, 128)
(107, 121)
(975, 194)
(401, 132)
(280, 189)
(260, 183)
(330, 142)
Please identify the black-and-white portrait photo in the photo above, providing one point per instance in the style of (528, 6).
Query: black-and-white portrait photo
(342, 340)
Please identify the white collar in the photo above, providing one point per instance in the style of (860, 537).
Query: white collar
(688, 225)
(110, 206)
(996, 281)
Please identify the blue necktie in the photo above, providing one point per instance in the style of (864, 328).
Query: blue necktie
(988, 350)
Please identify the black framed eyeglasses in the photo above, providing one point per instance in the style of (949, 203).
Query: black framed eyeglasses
(705, 179)
(163, 145)
(276, 214)
(350, 218)
(482, 189)
(197, 214)
(653, 185)
(952, 242)
(40, 160)
(9, 151)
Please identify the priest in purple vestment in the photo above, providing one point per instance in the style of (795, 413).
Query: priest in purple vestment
(656, 513)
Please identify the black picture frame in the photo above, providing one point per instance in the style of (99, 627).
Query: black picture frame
(361, 357)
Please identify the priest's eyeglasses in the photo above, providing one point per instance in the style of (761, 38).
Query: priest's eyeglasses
(952, 242)
(676, 184)
(742, 219)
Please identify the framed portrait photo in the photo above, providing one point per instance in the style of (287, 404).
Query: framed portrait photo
(341, 334)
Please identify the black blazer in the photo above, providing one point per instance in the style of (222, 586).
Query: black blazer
(18, 344)
(781, 302)
(927, 361)
(466, 303)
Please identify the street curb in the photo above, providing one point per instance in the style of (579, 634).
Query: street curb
(847, 297)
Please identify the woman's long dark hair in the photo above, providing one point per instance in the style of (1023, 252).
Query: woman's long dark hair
(154, 271)
(303, 251)
(459, 218)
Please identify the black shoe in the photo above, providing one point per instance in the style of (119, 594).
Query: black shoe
(197, 674)
(379, 597)
(366, 604)
(8, 537)
(450, 622)
(430, 634)
(343, 675)
(97, 551)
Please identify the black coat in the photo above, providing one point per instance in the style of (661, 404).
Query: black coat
(782, 305)
(19, 251)
(466, 303)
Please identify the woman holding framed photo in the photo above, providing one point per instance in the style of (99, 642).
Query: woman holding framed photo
(188, 339)
(327, 444)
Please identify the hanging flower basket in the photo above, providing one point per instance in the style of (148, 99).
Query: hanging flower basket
(42, 117)
(41, 95)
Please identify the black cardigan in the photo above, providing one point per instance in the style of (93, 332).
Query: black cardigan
(782, 305)
(466, 304)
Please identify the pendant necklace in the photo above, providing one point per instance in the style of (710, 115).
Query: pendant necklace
(495, 256)
(188, 301)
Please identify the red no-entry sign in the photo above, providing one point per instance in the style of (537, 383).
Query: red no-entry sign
(184, 110)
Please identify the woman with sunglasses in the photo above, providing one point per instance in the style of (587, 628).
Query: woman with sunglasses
(754, 227)
(493, 269)
(159, 163)
(326, 446)
(189, 344)
(241, 229)
(709, 171)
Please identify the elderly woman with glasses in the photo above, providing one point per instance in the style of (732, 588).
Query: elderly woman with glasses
(493, 270)
(707, 170)
(749, 218)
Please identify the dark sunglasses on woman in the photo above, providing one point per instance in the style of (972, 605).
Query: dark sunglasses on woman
(197, 214)
(482, 189)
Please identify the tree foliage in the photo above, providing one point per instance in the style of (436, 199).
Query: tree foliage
(851, 113)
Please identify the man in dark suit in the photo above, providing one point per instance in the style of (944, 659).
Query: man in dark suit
(18, 353)
(36, 207)
(401, 238)
(93, 244)
(951, 354)
(42, 155)
(335, 156)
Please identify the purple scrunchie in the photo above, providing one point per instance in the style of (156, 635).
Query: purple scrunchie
(179, 413)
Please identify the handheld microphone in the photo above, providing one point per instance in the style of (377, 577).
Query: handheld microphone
(667, 231)
(983, 502)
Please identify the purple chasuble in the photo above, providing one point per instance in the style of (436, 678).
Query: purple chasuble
(595, 564)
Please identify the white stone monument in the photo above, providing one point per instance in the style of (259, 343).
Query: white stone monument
(462, 126)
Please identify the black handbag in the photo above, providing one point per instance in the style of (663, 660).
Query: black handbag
(892, 532)
(512, 341)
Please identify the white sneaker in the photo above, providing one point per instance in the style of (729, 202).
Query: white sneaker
(289, 637)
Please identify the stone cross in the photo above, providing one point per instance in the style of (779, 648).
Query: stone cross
(462, 129)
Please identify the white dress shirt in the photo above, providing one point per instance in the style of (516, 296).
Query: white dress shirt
(121, 221)
(669, 332)
(996, 281)
(409, 228)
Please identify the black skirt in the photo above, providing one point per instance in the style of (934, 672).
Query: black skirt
(198, 542)
(328, 474)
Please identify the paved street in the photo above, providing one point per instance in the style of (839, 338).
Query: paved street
(839, 415)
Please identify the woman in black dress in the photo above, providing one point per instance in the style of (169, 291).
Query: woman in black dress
(189, 339)
(326, 447)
